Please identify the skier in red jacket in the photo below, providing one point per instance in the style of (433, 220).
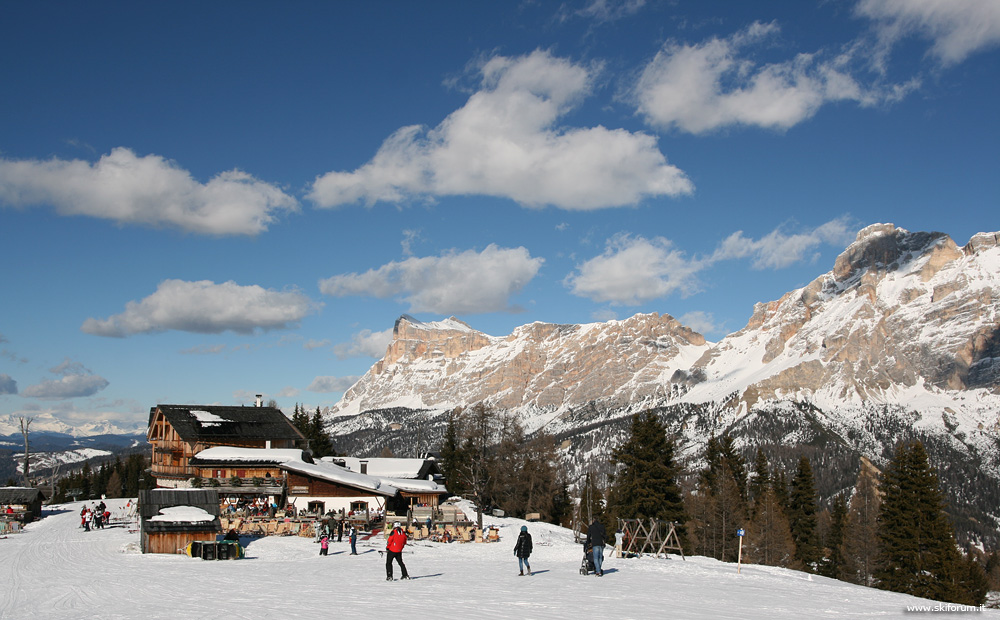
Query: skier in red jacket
(394, 550)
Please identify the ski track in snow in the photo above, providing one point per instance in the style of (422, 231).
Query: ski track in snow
(55, 570)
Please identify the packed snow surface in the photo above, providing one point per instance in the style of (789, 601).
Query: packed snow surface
(56, 570)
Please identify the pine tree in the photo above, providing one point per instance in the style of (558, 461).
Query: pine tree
(301, 421)
(319, 440)
(918, 554)
(769, 538)
(646, 484)
(860, 546)
(761, 479)
(722, 510)
(452, 456)
(833, 562)
(591, 498)
(802, 515)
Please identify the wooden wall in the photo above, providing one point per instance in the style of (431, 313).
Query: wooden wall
(173, 542)
(304, 485)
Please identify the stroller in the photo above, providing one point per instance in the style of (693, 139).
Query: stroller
(587, 564)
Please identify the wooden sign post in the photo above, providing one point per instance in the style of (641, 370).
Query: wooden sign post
(739, 556)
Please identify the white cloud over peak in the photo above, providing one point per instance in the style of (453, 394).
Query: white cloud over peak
(778, 249)
(75, 381)
(332, 384)
(634, 270)
(957, 28)
(466, 282)
(207, 308)
(148, 190)
(700, 321)
(505, 142)
(714, 84)
(365, 343)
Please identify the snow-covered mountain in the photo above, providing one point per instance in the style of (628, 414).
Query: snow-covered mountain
(541, 367)
(900, 339)
(904, 319)
(47, 423)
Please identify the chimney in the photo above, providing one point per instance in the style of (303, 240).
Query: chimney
(364, 467)
(260, 400)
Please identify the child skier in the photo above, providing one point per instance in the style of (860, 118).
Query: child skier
(324, 545)
(522, 550)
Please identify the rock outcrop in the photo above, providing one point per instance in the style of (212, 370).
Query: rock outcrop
(543, 366)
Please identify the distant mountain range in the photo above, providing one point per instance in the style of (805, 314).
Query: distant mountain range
(49, 450)
(900, 339)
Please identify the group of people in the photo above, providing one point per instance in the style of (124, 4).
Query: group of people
(95, 517)
(594, 545)
(397, 539)
(325, 535)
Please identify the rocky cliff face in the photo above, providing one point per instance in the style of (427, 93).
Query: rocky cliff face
(901, 314)
(542, 366)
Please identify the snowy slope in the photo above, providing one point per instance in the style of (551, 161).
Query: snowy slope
(55, 570)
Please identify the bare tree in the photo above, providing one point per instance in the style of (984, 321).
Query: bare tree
(25, 424)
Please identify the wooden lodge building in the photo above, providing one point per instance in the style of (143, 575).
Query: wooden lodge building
(321, 486)
(420, 481)
(255, 456)
(170, 519)
(22, 504)
(179, 432)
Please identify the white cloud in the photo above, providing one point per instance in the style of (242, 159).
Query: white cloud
(604, 10)
(7, 384)
(68, 386)
(634, 270)
(714, 84)
(311, 344)
(505, 142)
(700, 321)
(365, 343)
(332, 384)
(468, 282)
(207, 308)
(149, 190)
(207, 349)
(957, 28)
(778, 249)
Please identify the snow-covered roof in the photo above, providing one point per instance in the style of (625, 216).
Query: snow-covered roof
(390, 468)
(335, 473)
(404, 474)
(250, 455)
(183, 514)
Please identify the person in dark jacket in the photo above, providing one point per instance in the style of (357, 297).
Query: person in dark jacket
(523, 550)
(394, 551)
(595, 539)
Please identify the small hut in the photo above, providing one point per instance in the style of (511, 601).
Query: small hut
(22, 504)
(170, 519)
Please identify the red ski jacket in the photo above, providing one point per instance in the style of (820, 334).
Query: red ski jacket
(397, 540)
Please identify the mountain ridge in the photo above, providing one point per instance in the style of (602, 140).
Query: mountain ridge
(899, 340)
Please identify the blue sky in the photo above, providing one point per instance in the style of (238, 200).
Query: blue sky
(204, 201)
